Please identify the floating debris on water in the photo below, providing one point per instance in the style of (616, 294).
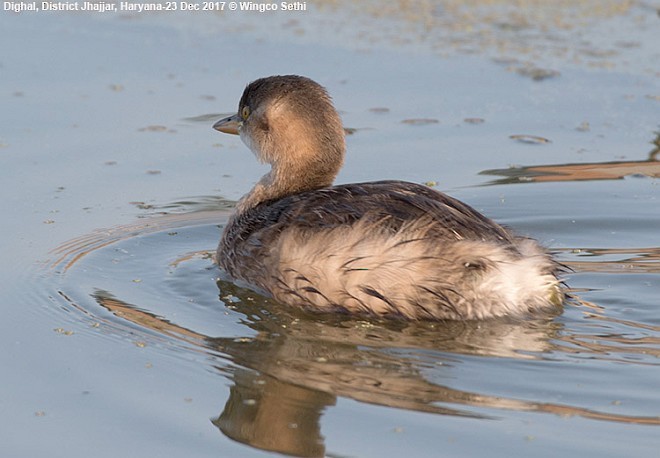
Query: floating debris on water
(535, 73)
(154, 128)
(420, 121)
(530, 139)
(142, 205)
(583, 127)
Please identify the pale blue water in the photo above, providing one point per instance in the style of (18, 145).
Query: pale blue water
(119, 340)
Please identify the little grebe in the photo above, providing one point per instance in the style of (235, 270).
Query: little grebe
(386, 248)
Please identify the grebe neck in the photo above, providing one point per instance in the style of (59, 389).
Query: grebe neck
(283, 181)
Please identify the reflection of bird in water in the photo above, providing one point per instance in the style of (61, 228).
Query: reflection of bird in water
(388, 248)
(287, 375)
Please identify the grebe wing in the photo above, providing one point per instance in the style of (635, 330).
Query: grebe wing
(387, 205)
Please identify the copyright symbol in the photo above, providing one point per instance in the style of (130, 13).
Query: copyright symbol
(232, 6)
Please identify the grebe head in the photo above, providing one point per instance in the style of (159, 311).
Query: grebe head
(290, 123)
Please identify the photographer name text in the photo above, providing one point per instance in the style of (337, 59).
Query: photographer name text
(103, 7)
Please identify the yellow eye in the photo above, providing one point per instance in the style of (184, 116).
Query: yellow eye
(245, 112)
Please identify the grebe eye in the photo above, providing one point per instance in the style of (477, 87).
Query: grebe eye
(245, 112)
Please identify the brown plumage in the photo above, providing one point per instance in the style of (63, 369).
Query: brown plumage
(388, 248)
